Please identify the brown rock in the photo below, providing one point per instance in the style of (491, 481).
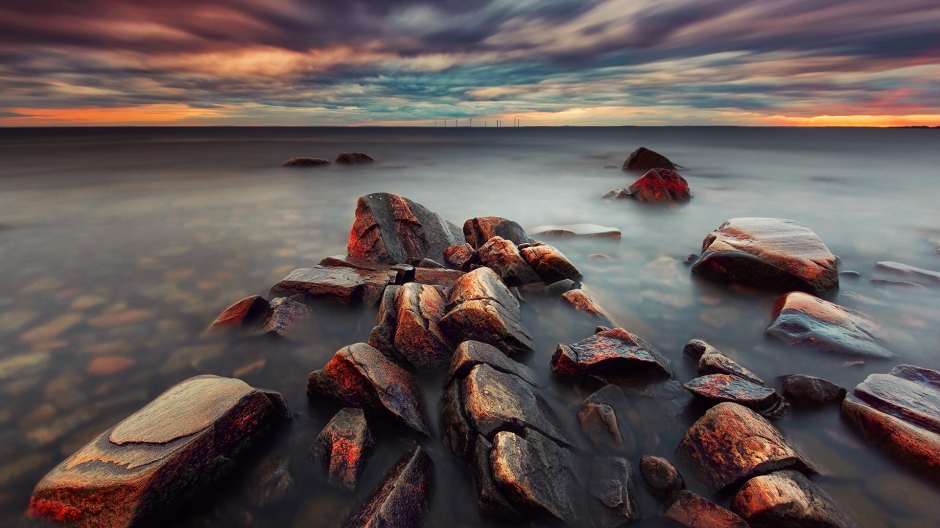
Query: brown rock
(145, 466)
(768, 253)
(402, 499)
(718, 388)
(503, 257)
(660, 475)
(661, 185)
(786, 499)
(718, 363)
(732, 444)
(360, 376)
(617, 194)
(393, 229)
(281, 317)
(489, 497)
(697, 348)
(644, 159)
(437, 277)
(271, 483)
(461, 257)
(611, 486)
(478, 231)
(614, 352)
(340, 285)
(427, 263)
(600, 421)
(417, 336)
(241, 314)
(550, 264)
(256, 316)
(353, 158)
(693, 511)
(808, 390)
(382, 337)
(306, 162)
(472, 353)
(584, 302)
(107, 365)
(801, 319)
(556, 289)
(344, 447)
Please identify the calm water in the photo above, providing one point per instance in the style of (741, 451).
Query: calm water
(118, 247)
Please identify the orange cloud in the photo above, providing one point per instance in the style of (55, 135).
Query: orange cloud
(154, 114)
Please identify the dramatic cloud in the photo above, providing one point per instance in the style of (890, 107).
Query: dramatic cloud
(603, 62)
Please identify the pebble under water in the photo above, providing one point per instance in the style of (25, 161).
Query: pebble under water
(118, 247)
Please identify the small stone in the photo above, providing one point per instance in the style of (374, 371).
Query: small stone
(898, 284)
(609, 166)
(614, 352)
(617, 194)
(910, 271)
(245, 312)
(107, 365)
(401, 500)
(503, 257)
(600, 256)
(600, 421)
(692, 258)
(550, 264)
(697, 348)
(560, 287)
(660, 186)
(807, 390)
(644, 159)
(306, 162)
(461, 257)
(660, 475)
(282, 316)
(786, 499)
(344, 446)
(848, 274)
(353, 158)
(692, 511)
(478, 231)
(577, 230)
(612, 487)
(583, 302)
(427, 263)
(272, 483)
(718, 388)
(714, 362)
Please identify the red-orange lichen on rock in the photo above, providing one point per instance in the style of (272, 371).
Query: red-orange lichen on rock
(693, 511)
(237, 314)
(343, 447)
(661, 185)
(614, 352)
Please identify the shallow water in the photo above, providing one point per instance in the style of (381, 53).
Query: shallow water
(118, 248)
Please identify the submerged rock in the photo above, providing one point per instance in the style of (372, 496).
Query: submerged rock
(807, 390)
(644, 159)
(340, 285)
(281, 317)
(718, 388)
(392, 229)
(560, 287)
(910, 271)
(550, 264)
(612, 487)
(152, 461)
(786, 499)
(353, 158)
(478, 231)
(801, 319)
(272, 483)
(577, 230)
(601, 422)
(732, 444)
(503, 257)
(899, 412)
(256, 316)
(240, 315)
(306, 162)
(343, 447)
(617, 194)
(768, 253)
(472, 353)
(693, 511)
(615, 352)
(461, 257)
(360, 376)
(661, 185)
(402, 499)
(660, 475)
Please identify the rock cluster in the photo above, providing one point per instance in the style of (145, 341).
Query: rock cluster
(721, 379)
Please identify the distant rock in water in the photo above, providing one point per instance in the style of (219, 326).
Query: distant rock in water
(617, 194)
(353, 158)
(306, 162)
(659, 186)
(770, 254)
(577, 230)
(644, 159)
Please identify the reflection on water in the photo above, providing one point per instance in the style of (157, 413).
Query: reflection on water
(118, 247)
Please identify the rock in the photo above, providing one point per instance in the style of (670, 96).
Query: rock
(256, 316)
(360, 376)
(801, 319)
(612, 486)
(697, 348)
(577, 230)
(692, 511)
(600, 256)
(550, 264)
(353, 158)
(306, 162)
(807, 390)
(272, 483)
(898, 284)
(718, 388)
(614, 352)
(713, 361)
(910, 271)
(392, 229)
(661, 185)
(344, 446)
(281, 317)
(461, 257)
(611, 166)
(478, 231)
(437, 277)
(644, 159)
(537, 474)
(617, 194)
(340, 285)
(417, 338)
(240, 315)
(23, 365)
(154, 460)
(402, 499)
(900, 414)
(472, 353)
(481, 308)
(584, 302)
(768, 253)
(786, 499)
(732, 444)
(848, 274)
(600, 420)
(489, 497)
(692, 258)
(382, 337)
(560, 287)
(503, 257)
(428, 264)
(660, 475)
(108, 365)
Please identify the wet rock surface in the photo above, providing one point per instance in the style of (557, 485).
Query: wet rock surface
(240, 315)
(601, 422)
(644, 159)
(469, 354)
(344, 446)
(801, 319)
(478, 231)
(560, 287)
(353, 158)
(550, 264)
(613, 353)
(407, 327)
(660, 186)
(360, 376)
(693, 511)
(306, 162)
(611, 486)
(272, 483)
(732, 444)
(503, 257)
(801, 389)
(340, 285)
(660, 475)
(489, 496)
(402, 498)
(899, 413)
(154, 460)
(786, 499)
(617, 194)
(461, 257)
(577, 230)
(714, 362)
(392, 229)
(437, 277)
(718, 388)
(768, 253)
(256, 316)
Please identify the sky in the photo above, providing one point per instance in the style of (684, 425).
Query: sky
(401, 62)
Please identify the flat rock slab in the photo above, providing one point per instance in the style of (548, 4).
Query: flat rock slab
(478, 231)
(503, 257)
(786, 499)
(614, 352)
(732, 444)
(437, 277)
(155, 459)
(392, 229)
(343, 447)
(577, 230)
(660, 475)
(360, 376)
(693, 511)
(644, 159)
(718, 388)
(900, 413)
(550, 264)
(910, 271)
(401, 500)
(340, 285)
(805, 320)
(611, 486)
(768, 253)
(660, 186)
(808, 390)
(469, 354)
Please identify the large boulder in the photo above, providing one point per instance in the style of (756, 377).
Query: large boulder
(805, 320)
(899, 412)
(478, 231)
(340, 285)
(786, 499)
(360, 376)
(717, 388)
(732, 444)
(644, 159)
(693, 511)
(611, 485)
(801, 389)
(160, 456)
(550, 264)
(615, 353)
(393, 229)
(401, 500)
(503, 257)
(660, 186)
(407, 327)
(353, 158)
(343, 447)
(768, 253)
